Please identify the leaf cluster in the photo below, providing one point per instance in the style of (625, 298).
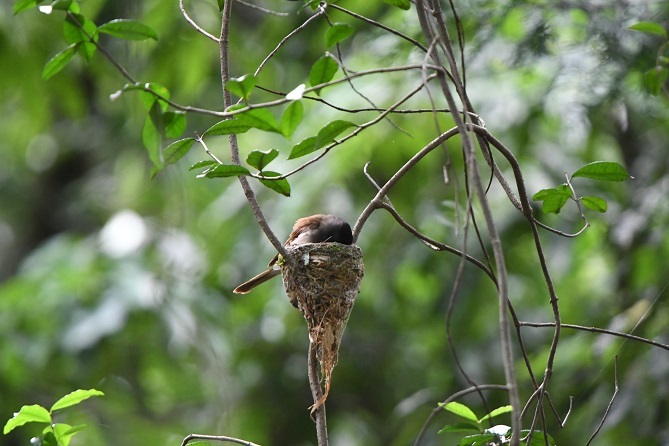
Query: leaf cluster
(555, 198)
(81, 33)
(53, 434)
(487, 436)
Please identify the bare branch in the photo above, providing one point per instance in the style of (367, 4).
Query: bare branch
(472, 169)
(195, 26)
(261, 9)
(318, 414)
(433, 244)
(528, 213)
(378, 25)
(221, 438)
(608, 408)
(285, 39)
(561, 233)
(383, 192)
(199, 139)
(598, 330)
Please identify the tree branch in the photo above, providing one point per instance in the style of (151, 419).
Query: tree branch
(197, 27)
(221, 438)
(234, 147)
(318, 414)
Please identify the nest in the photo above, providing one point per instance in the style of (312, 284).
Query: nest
(323, 285)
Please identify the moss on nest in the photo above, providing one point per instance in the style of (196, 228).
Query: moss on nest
(323, 285)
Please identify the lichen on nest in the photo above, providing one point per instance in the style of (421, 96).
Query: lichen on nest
(323, 284)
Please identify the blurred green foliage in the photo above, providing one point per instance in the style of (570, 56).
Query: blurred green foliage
(117, 282)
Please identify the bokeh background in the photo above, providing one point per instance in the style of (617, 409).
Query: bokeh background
(113, 281)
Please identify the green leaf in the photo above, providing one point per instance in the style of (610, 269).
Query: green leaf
(175, 151)
(460, 410)
(221, 3)
(78, 28)
(478, 440)
(496, 412)
(228, 127)
(49, 439)
(595, 203)
(174, 123)
(151, 135)
(260, 159)
(24, 5)
(27, 414)
(603, 170)
(261, 119)
(313, 4)
(459, 427)
(224, 171)
(291, 118)
(147, 95)
(553, 199)
(59, 61)
(402, 4)
(73, 429)
(655, 78)
(242, 86)
(649, 28)
(60, 431)
(302, 148)
(75, 397)
(281, 186)
(330, 131)
(538, 438)
(337, 33)
(258, 118)
(322, 71)
(201, 164)
(128, 29)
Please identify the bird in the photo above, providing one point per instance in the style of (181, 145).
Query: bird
(319, 228)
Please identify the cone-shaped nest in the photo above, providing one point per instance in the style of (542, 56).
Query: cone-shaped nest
(323, 285)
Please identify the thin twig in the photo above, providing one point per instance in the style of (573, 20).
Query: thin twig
(221, 438)
(378, 25)
(192, 23)
(528, 213)
(261, 9)
(354, 133)
(563, 423)
(608, 408)
(283, 41)
(283, 100)
(199, 139)
(340, 61)
(433, 244)
(562, 233)
(455, 291)
(598, 330)
(318, 414)
(102, 50)
(375, 202)
(366, 109)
